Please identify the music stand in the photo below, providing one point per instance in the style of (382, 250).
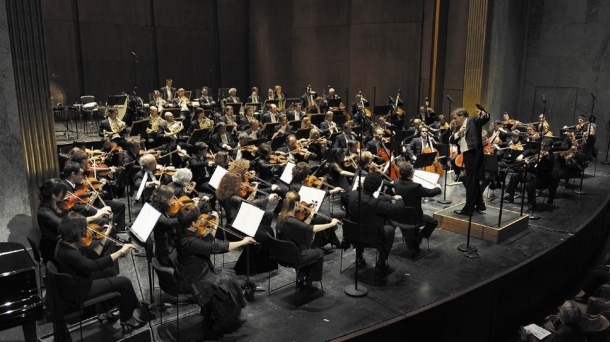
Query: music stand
(278, 142)
(424, 160)
(303, 133)
(270, 102)
(247, 221)
(531, 145)
(115, 100)
(256, 106)
(269, 128)
(443, 151)
(382, 110)
(236, 107)
(198, 135)
(316, 119)
(257, 142)
(295, 123)
(334, 103)
(339, 118)
(138, 127)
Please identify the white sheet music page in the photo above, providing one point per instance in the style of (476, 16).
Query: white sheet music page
(248, 218)
(142, 186)
(287, 173)
(312, 195)
(538, 331)
(217, 176)
(145, 222)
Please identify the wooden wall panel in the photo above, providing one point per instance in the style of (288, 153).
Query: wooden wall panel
(120, 12)
(385, 11)
(319, 13)
(61, 57)
(194, 14)
(107, 59)
(183, 59)
(57, 10)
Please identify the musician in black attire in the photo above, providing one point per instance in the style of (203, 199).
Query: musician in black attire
(368, 211)
(200, 166)
(206, 101)
(265, 169)
(328, 126)
(173, 154)
(412, 194)
(345, 137)
(94, 278)
(307, 237)
(471, 146)
(130, 162)
(168, 92)
(221, 140)
(415, 147)
(538, 174)
(359, 104)
(149, 167)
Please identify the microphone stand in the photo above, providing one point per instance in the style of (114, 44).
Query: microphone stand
(353, 290)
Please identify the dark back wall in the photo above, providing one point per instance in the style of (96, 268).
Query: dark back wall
(89, 45)
(347, 44)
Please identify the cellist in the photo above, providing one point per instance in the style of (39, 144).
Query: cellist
(419, 144)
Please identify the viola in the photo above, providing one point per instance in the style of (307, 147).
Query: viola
(170, 171)
(207, 223)
(174, 206)
(249, 149)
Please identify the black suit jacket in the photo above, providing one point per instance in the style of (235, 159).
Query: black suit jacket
(164, 93)
(217, 141)
(473, 132)
(230, 99)
(267, 117)
(412, 193)
(372, 209)
(291, 116)
(251, 99)
(206, 102)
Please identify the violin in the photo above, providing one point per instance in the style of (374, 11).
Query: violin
(174, 206)
(249, 148)
(351, 160)
(170, 171)
(313, 181)
(277, 159)
(303, 211)
(94, 233)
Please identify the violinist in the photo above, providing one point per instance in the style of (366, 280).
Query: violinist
(151, 174)
(112, 126)
(215, 289)
(94, 278)
(183, 187)
(532, 134)
(173, 154)
(201, 121)
(293, 150)
(201, 163)
(130, 161)
(308, 238)
(498, 135)
(264, 167)
(345, 136)
(271, 116)
(166, 229)
(537, 174)
(254, 130)
(512, 146)
(316, 144)
(587, 142)
(491, 178)
(111, 153)
(154, 128)
(297, 114)
(51, 195)
(243, 150)
(369, 210)
(546, 130)
(509, 123)
(328, 126)
(339, 175)
(412, 194)
(228, 194)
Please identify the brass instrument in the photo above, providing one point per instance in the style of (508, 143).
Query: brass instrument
(184, 102)
(174, 127)
(160, 102)
(270, 94)
(154, 125)
(206, 123)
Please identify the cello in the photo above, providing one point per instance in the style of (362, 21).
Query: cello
(436, 166)
(388, 157)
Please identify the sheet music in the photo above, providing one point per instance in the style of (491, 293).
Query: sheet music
(217, 176)
(145, 222)
(427, 179)
(538, 331)
(287, 173)
(248, 218)
(312, 195)
(142, 186)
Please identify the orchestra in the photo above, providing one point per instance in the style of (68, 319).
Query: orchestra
(328, 151)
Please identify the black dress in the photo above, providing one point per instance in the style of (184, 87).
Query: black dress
(259, 254)
(209, 284)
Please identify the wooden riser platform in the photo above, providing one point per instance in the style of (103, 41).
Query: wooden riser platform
(484, 224)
